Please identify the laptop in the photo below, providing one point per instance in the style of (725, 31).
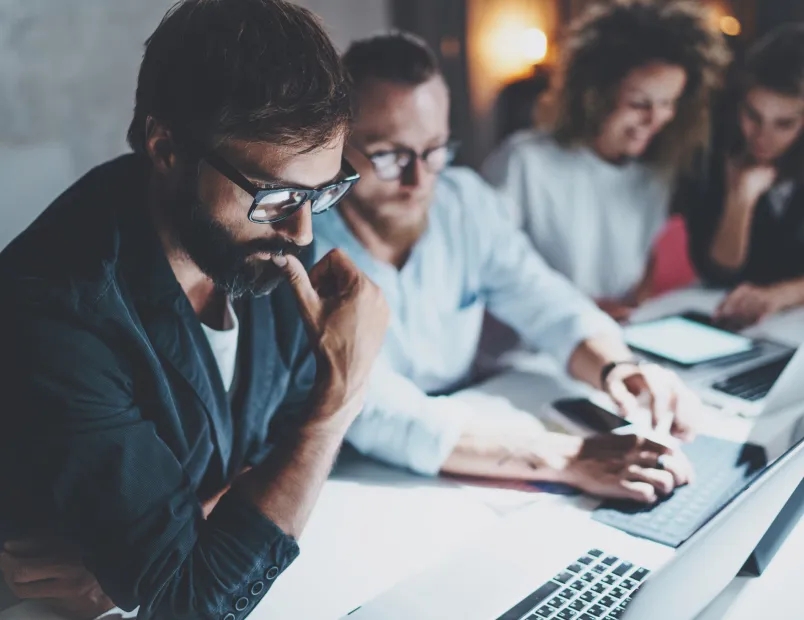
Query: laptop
(728, 370)
(551, 561)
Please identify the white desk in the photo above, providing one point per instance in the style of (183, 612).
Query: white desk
(374, 525)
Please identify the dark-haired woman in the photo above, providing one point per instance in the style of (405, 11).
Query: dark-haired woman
(747, 223)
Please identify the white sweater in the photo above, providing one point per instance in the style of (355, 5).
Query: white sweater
(593, 221)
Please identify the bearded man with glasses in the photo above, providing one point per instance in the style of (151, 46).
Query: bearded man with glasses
(176, 384)
(438, 242)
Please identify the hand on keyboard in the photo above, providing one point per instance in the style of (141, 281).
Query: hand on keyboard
(627, 467)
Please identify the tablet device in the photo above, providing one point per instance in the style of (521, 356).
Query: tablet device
(686, 342)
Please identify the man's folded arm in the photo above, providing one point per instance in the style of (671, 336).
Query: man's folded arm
(119, 492)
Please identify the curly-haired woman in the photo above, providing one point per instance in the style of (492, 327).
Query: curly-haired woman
(632, 108)
(747, 223)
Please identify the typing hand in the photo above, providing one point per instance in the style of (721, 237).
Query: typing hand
(673, 405)
(749, 304)
(346, 317)
(51, 570)
(627, 467)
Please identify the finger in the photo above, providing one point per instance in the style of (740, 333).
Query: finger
(306, 296)
(680, 467)
(658, 390)
(623, 398)
(48, 547)
(27, 570)
(334, 275)
(734, 298)
(688, 408)
(661, 480)
(676, 463)
(49, 589)
(639, 491)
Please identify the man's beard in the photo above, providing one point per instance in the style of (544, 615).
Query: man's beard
(210, 245)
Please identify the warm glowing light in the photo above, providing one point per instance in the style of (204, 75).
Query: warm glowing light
(534, 45)
(730, 25)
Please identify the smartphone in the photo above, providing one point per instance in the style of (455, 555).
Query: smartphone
(587, 414)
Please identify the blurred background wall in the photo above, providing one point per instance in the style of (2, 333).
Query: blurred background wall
(68, 72)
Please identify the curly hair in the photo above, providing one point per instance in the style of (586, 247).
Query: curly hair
(615, 37)
(776, 63)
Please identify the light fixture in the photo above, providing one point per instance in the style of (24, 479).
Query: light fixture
(730, 25)
(534, 45)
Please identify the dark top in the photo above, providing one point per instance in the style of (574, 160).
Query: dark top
(776, 250)
(117, 420)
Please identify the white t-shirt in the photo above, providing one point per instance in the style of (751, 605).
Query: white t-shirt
(224, 345)
(593, 221)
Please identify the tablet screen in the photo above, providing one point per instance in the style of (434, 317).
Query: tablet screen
(685, 342)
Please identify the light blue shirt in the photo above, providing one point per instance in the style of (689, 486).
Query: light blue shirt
(471, 258)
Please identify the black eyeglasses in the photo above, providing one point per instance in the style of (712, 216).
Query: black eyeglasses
(274, 204)
(389, 165)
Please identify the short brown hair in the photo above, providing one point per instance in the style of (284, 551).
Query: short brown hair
(615, 37)
(397, 56)
(253, 69)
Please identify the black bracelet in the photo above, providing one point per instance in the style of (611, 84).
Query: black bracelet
(608, 368)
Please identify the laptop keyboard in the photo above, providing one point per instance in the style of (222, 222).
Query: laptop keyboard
(754, 384)
(722, 470)
(597, 586)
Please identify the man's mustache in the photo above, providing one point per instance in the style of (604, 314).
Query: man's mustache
(277, 247)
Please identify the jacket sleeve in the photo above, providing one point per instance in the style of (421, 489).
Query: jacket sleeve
(116, 489)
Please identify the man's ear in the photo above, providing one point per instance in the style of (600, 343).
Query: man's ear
(159, 145)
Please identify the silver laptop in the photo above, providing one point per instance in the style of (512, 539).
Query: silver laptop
(730, 371)
(552, 561)
(751, 388)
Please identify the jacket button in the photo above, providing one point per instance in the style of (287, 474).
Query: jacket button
(272, 573)
(257, 588)
(229, 617)
(241, 604)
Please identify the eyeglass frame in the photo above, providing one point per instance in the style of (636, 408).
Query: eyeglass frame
(221, 165)
(452, 147)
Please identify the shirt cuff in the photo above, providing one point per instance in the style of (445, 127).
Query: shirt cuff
(436, 435)
(256, 534)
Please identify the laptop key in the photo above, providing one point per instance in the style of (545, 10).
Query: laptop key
(586, 560)
(578, 585)
(556, 602)
(600, 568)
(609, 579)
(628, 584)
(567, 614)
(597, 611)
(563, 577)
(588, 577)
(639, 574)
(586, 617)
(595, 553)
(589, 596)
(576, 568)
(623, 568)
(608, 601)
(567, 593)
(546, 611)
(599, 588)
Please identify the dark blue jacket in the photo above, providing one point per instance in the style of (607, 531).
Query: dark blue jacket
(116, 420)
